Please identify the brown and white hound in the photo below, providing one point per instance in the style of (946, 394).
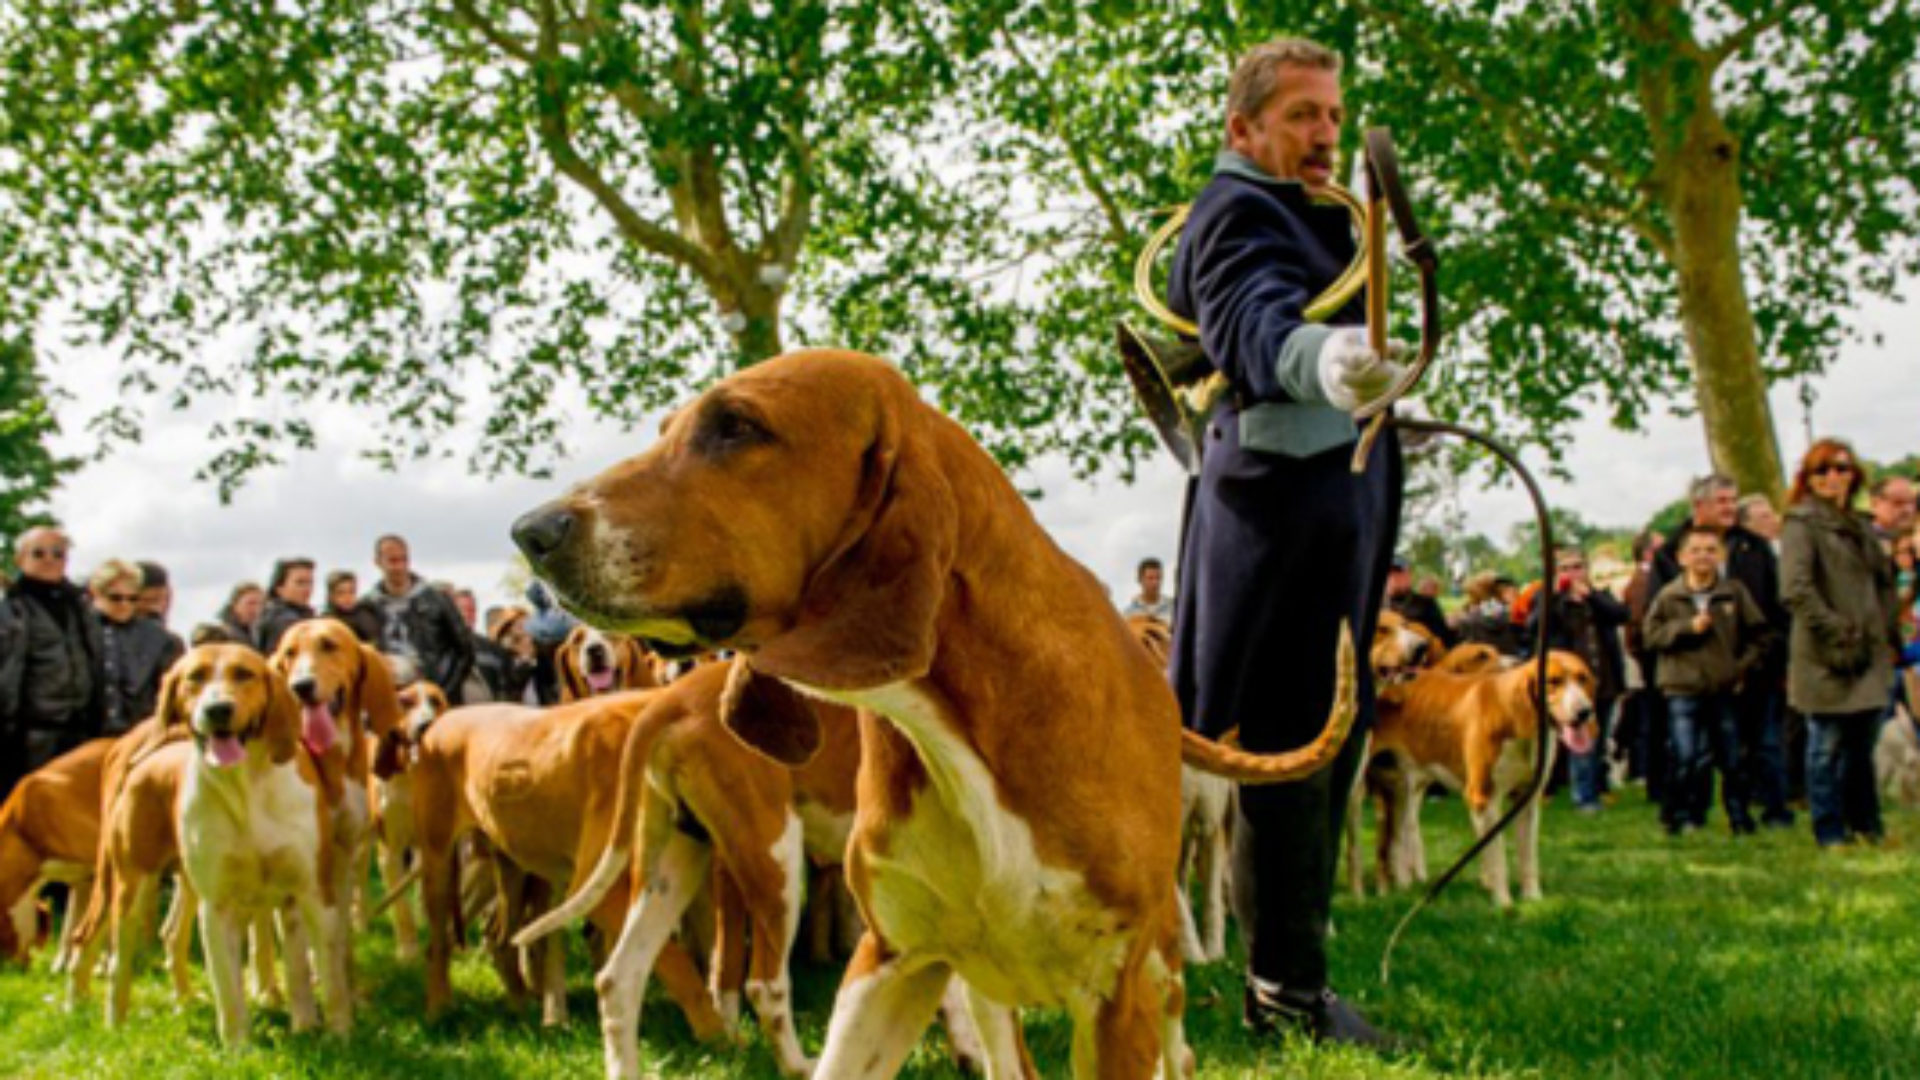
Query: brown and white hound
(49, 832)
(593, 661)
(1474, 733)
(534, 784)
(256, 822)
(347, 706)
(1019, 791)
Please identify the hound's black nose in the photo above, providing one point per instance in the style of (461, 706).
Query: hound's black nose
(218, 713)
(541, 532)
(305, 688)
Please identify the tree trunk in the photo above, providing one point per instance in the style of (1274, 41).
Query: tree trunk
(755, 324)
(1704, 204)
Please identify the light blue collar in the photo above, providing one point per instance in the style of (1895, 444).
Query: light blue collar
(1234, 163)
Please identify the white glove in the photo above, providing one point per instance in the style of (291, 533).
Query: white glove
(1351, 375)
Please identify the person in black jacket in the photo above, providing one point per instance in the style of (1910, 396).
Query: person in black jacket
(58, 683)
(1587, 622)
(136, 650)
(418, 621)
(1284, 541)
(1760, 705)
(343, 603)
(1416, 606)
(289, 601)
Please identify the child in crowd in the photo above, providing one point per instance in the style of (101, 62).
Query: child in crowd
(1708, 633)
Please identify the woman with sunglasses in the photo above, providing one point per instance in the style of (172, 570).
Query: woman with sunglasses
(1839, 585)
(136, 652)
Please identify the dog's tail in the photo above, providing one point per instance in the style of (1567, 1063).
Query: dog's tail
(1246, 767)
(660, 714)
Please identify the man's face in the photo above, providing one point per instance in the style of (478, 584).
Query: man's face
(1762, 521)
(1893, 508)
(42, 555)
(464, 601)
(156, 601)
(1295, 134)
(393, 560)
(1399, 582)
(1719, 510)
(1150, 581)
(298, 588)
(1572, 569)
(342, 596)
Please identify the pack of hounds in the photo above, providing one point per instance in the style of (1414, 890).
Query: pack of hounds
(848, 724)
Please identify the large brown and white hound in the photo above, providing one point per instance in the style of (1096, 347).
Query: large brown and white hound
(1019, 790)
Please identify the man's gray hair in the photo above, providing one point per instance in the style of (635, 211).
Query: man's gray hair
(1710, 485)
(1257, 75)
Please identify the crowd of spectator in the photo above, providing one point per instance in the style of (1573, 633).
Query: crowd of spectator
(1752, 651)
(78, 662)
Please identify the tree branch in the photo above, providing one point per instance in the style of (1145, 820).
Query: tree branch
(1117, 230)
(1743, 38)
(500, 39)
(552, 103)
(1517, 129)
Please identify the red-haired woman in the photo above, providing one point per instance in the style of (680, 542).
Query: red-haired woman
(1838, 583)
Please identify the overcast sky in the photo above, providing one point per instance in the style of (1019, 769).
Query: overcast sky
(329, 505)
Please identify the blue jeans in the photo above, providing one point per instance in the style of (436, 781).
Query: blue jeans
(1588, 771)
(1706, 735)
(1763, 752)
(1840, 782)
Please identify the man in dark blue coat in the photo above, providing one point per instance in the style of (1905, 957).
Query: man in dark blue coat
(1283, 540)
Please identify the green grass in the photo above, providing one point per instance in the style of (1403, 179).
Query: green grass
(1650, 958)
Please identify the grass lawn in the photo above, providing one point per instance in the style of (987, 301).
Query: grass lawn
(1650, 958)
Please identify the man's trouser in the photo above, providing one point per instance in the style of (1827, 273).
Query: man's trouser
(1278, 551)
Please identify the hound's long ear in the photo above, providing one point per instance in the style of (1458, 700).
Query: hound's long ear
(377, 695)
(390, 755)
(169, 716)
(769, 716)
(280, 728)
(636, 666)
(867, 615)
(566, 669)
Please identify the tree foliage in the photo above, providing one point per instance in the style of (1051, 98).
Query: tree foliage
(460, 211)
(29, 470)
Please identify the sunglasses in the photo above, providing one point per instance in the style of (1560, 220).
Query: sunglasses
(1842, 467)
(47, 553)
(122, 598)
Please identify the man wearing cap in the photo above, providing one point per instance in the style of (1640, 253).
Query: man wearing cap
(1283, 542)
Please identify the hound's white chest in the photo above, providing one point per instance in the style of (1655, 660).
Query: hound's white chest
(1513, 769)
(249, 836)
(958, 877)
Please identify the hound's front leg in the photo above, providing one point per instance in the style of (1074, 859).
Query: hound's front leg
(884, 1004)
(222, 935)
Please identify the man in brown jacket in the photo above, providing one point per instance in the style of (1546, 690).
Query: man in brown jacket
(1709, 634)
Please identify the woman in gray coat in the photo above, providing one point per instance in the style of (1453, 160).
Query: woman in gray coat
(1839, 586)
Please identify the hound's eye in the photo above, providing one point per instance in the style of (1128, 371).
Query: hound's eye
(726, 428)
(327, 645)
(240, 675)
